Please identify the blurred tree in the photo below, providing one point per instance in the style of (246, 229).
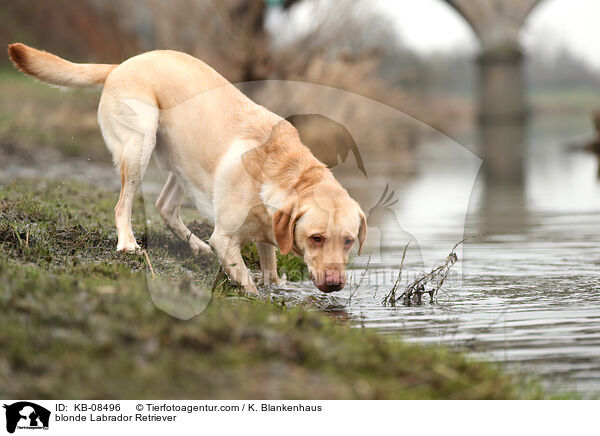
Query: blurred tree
(562, 69)
(81, 30)
(345, 44)
(229, 35)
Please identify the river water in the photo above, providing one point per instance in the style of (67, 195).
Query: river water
(526, 291)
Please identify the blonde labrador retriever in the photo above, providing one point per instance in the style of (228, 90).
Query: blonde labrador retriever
(244, 167)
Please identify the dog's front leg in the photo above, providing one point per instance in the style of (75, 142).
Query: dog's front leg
(228, 250)
(268, 262)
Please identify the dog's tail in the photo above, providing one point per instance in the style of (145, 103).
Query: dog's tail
(51, 69)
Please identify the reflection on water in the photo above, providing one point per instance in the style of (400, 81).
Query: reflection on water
(530, 289)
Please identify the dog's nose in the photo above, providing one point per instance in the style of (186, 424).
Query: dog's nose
(331, 288)
(329, 280)
(335, 277)
(334, 280)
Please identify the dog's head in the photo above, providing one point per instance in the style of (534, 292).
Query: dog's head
(321, 226)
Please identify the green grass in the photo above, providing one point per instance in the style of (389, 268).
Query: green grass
(78, 322)
(62, 338)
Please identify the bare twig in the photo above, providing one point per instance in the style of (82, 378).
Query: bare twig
(414, 291)
(218, 278)
(17, 236)
(149, 264)
(362, 277)
(392, 294)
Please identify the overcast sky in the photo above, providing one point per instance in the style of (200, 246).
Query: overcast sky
(430, 25)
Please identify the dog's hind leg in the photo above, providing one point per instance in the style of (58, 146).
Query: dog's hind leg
(129, 129)
(168, 205)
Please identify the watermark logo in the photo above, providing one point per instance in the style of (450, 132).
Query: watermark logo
(25, 415)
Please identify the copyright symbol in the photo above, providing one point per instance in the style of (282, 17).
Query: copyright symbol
(139, 407)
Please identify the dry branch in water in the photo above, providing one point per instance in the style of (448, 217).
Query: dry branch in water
(429, 283)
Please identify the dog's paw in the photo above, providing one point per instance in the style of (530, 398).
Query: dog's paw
(270, 279)
(129, 247)
(198, 246)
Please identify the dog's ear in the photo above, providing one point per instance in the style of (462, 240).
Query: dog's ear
(283, 225)
(362, 230)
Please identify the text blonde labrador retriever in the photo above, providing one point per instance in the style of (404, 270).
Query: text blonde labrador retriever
(244, 167)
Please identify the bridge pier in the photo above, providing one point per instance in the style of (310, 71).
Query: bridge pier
(502, 115)
(502, 106)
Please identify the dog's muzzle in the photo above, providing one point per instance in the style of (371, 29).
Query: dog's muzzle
(330, 281)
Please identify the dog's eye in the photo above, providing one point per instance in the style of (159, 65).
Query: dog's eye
(317, 239)
(348, 241)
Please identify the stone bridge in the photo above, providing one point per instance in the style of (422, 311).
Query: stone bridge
(502, 105)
